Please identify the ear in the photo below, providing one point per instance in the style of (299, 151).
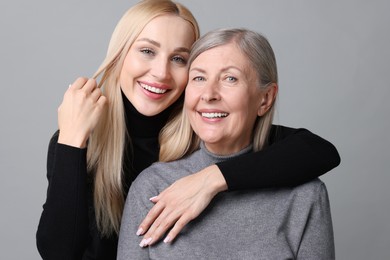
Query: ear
(267, 99)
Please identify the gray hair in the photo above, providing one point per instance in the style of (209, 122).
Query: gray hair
(252, 44)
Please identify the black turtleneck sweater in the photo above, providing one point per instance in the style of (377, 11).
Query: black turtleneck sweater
(67, 227)
(143, 148)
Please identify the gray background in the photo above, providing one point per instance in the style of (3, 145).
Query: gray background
(333, 59)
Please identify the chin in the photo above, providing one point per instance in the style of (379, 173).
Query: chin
(149, 111)
(209, 141)
(152, 113)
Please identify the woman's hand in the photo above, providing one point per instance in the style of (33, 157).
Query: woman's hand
(79, 112)
(180, 203)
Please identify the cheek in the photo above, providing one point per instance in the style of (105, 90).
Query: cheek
(126, 73)
(133, 65)
(187, 102)
(133, 68)
(191, 97)
(246, 108)
(190, 102)
(124, 77)
(181, 78)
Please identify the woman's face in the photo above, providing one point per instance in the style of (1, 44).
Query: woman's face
(223, 99)
(154, 73)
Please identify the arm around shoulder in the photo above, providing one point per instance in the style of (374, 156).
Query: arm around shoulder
(293, 157)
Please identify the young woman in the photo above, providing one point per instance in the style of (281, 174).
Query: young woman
(228, 109)
(109, 133)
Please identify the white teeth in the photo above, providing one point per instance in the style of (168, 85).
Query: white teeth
(215, 115)
(153, 89)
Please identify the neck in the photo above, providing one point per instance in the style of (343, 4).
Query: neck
(223, 149)
(222, 157)
(146, 126)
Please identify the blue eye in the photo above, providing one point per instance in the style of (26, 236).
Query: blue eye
(179, 59)
(147, 51)
(231, 79)
(198, 78)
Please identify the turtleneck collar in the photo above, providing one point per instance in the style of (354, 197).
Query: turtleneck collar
(215, 158)
(146, 126)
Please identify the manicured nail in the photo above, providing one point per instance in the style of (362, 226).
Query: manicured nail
(152, 198)
(145, 242)
(167, 239)
(139, 231)
(142, 244)
(148, 241)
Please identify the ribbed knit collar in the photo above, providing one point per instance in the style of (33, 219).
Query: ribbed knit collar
(220, 158)
(139, 125)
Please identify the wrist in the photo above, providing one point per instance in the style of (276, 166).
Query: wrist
(72, 140)
(214, 179)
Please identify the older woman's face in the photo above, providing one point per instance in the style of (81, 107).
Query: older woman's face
(223, 99)
(155, 72)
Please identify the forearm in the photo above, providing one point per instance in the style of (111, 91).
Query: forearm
(296, 158)
(62, 229)
(213, 179)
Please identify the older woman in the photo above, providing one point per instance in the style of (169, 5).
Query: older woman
(228, 110)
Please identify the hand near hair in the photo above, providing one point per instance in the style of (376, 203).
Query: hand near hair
(79, 112)
(180, 203)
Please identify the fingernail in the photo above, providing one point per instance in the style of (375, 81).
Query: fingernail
(142, 244)
(145, 242)
(167, 239)
(152, 198)
(69, 85)
(139, 231)
(148, 241)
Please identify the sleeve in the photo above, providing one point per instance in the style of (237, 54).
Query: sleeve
(63, 227)
(134, 211)
(317, 241)
(293, 157)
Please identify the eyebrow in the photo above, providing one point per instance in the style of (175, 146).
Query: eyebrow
(223, 69)
(198, 69)
(157, 44)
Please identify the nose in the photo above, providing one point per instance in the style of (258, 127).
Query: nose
(211, 92)
(160, 69)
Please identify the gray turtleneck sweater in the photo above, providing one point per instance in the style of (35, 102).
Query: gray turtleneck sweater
(283, 223)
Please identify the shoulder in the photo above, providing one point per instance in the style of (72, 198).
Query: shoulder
(149, 176)
(312, 190)
(160, 175)
(151, 182)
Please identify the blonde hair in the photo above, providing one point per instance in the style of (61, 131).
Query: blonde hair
(106, 145)
(178, 132)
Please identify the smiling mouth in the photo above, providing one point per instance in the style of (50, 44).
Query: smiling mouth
(153, 89)
(214, 115)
